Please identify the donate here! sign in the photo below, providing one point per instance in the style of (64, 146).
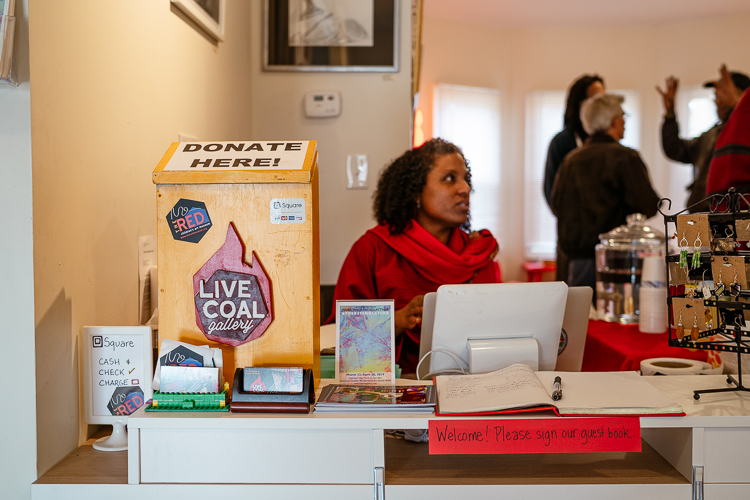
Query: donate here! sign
(240, 155)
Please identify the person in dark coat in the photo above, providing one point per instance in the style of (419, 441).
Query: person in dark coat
(597, 187)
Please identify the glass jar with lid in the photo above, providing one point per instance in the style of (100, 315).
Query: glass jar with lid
(619, 261)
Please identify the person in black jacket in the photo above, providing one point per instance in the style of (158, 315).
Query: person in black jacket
(597, 187)
(698, 150)
(571, 137)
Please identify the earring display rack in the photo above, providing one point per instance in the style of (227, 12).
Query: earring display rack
(700, 316)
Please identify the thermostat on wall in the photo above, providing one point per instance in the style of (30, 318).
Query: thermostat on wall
(322, 104)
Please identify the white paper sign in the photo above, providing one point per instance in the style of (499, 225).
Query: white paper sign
(118, 368)
(288, 211)
(240, 155)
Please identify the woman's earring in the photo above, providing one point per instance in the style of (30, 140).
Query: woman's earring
(683, 251)
(709, 318)
(679, 331)
(734, 288)
(696, 261)
(694, 332)
(719, 290)
(419, 204)
(706, 291)
(739, 322)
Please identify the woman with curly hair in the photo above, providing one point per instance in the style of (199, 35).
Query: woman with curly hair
(422, 241)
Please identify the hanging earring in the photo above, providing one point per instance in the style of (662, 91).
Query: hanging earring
(706, 291)
(729, 231)
(734, 288)
(683, 251)
(712, 240)
(694, 331)
(709, 319)
(696, 261)
(719, 289)
(679, 331)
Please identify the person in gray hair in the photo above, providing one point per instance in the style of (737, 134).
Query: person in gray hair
(598, 186)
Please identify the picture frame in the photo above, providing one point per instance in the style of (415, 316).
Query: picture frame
(209, 15)
(417, 6)
(331, 35)
(365, 342)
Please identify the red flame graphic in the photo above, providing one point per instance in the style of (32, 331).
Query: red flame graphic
(230, 258)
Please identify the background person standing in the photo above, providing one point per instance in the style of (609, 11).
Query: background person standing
(699, 150)
(572, 136)
(597, 187)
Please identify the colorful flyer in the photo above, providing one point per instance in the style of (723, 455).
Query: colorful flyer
(365, 347)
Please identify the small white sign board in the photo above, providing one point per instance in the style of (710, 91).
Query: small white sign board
(239, 155)
(117, 373)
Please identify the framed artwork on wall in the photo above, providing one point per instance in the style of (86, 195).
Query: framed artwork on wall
(206, 14)
(331, 35)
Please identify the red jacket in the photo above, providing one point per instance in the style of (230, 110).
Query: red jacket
(730, 166)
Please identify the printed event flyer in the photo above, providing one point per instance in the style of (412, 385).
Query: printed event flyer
(365, 348)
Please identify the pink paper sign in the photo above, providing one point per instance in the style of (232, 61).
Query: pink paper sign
(559, 435)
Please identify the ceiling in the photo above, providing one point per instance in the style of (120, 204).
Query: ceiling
(570, 13)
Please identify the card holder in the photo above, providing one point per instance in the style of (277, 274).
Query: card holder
(278, 402)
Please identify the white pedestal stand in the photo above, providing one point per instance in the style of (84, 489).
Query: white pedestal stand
(117, 441)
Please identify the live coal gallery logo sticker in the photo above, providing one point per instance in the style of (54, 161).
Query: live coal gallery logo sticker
(232, 299)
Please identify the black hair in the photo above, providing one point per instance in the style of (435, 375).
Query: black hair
(402, 182)
(576, 95)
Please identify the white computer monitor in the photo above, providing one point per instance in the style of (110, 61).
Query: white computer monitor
(490, 326)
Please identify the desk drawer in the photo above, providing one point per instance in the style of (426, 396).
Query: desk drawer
(727, 455)
(256, 456)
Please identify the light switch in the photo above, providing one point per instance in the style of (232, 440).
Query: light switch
(356, 171)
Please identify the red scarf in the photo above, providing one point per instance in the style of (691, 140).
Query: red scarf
(458, 262)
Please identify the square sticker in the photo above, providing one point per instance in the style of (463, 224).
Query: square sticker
(287, 211)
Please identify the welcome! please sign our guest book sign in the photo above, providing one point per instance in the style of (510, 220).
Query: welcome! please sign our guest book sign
(617, 398)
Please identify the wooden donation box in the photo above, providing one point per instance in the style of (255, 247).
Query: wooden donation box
(238, 251)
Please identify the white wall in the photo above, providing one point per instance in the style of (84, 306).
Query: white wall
(518, 61)
(112, 85)
(375, 120)
(18, 429)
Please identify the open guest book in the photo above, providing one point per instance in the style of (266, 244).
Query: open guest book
(519, 389)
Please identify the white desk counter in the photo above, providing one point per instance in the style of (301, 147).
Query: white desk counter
(332, 456)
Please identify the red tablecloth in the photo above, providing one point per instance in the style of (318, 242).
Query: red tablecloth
(616, 347)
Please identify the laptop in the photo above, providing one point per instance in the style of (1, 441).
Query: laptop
(572, 337)
(574, 327)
